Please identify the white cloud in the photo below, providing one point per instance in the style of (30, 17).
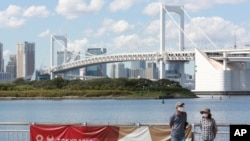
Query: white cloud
(133, 43)
(13, 10)
(11, 17)
(78, 45)
(120, 5)
(12, 22)
(6, 53)
(44, 33)
(88, 32)
(228, 1)
(110, 25)
(149, 41)
(153, 27)
(16, 16)
(218, 29)
(36, 11)
(152, 8)
(126, 40)
(117, 5)
(193, 5)
(74, 8)
(121, 26)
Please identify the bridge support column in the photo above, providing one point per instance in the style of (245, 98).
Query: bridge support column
(182, 73)
(224, 61)
(65, 76)
(51, 55)
(52, 75)
(162, 41)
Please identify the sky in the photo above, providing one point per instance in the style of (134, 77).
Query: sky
(120, 25)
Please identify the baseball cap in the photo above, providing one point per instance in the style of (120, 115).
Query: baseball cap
(179, 104)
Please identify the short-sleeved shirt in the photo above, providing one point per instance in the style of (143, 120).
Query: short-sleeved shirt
(178, 124)
(207, 128)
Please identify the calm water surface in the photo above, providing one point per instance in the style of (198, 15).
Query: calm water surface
(234, 109)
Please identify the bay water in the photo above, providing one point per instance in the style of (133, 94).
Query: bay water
(230, 110)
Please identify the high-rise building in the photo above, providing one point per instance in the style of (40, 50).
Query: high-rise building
(96, 70)
(138, 65)
(5, 77)
(151, 71)
(60, 57)
(11, 66)
(137, 69)
(173, 72)
(173, 67)
(1, 58)
(112, 71)
(25, 58)
(120, 71)
(137, 73)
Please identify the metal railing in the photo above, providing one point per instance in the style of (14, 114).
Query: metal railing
(14, 131)
(223, 133)
(19, 131)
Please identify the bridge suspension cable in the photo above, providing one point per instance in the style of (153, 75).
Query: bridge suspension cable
(202, 32)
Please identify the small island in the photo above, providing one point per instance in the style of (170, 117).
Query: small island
(103, 88)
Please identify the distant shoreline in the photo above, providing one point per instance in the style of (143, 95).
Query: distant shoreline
(90, 98)
(60, 94)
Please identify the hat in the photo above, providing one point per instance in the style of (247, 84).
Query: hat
(206, 110)
(179, 104)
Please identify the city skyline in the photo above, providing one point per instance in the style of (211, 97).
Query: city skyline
(105, 24)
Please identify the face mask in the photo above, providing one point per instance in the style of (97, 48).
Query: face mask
(181, 109)
(205, 115)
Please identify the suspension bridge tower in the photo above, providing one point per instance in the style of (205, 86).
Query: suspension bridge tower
(163, 10)
(52, 40)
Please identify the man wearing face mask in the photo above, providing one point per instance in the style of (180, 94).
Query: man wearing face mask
(178, 122)
(208, 125)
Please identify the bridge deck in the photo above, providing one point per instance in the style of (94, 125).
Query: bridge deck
(232, 55)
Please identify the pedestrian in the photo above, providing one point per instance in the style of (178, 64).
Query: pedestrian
(208, 125)
(178, 123)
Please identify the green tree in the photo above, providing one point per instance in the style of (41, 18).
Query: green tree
(19, 81)
(59, 82)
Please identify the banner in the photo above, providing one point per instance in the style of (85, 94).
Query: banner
(39, 132)
(73, 133)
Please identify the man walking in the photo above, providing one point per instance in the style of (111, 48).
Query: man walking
(178, 123)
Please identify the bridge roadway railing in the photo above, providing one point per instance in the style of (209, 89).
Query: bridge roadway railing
(19, 131)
